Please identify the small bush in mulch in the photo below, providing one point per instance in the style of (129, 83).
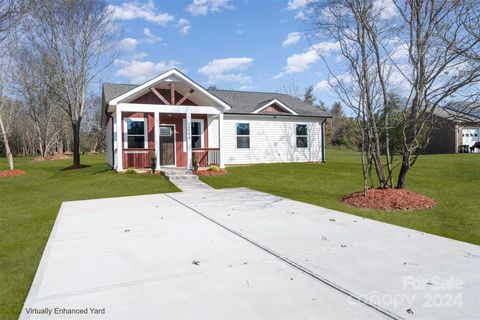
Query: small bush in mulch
(389, 200)
(11, 173)
(209, 172)
(75, 167)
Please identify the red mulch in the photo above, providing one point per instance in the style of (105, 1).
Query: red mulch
(11, 173)
(74, 167)
(389, 200)
(209, 173)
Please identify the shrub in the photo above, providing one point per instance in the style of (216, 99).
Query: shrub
(196, 163)
(130, 171)
(214, 167)
(153, 163)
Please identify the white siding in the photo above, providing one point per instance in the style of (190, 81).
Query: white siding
(213, 131)
(108, 142)
(272, 140)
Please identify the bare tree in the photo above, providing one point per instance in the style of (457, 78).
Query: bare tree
(7, 114)
(360, 90)
(441, 65)
(33, 76)
(9, 15)
(77, 37)
(444, 65)
(291, 89)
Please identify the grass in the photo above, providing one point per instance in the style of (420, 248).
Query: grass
(452, 180)
(29, 205)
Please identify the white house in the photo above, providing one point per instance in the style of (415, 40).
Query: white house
(177, 120)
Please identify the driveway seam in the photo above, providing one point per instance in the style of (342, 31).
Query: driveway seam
(297, 266)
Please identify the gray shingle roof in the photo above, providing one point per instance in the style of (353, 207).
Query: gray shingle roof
(240, 101)
(249, 101)
(459, 114)
(113, 90)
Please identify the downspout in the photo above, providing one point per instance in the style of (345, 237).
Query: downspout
(323, 140)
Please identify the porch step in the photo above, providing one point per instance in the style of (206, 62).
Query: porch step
(179, 175)
(182, 177)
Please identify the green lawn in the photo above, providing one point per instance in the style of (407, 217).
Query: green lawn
(29, 205)
(452, 180)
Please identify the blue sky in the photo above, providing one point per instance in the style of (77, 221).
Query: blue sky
(241, 45)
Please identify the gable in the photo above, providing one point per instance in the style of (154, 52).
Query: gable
(180, 89)
(274, 106)
(152, 98)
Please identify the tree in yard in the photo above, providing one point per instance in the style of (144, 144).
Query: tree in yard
(77, 38)
(444, 65)
(428, 51)
(360, 88)
(7, 115)
(308, 96)
(9, 15)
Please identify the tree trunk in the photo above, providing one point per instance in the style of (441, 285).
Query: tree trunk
(405, 167)
(76, 141)
(8, 152)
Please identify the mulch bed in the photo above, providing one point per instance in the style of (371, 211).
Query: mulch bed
(389, 200)
(74, 167)
(210, 173)
(11, 173)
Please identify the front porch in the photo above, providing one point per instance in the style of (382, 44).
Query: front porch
(170, 118)
(174, 139)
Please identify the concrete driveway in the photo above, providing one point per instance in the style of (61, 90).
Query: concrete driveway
(243, 254)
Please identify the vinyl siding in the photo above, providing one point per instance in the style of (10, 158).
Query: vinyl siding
(272, 140)
(213, 131)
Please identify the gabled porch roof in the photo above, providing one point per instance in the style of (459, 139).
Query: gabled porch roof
(183, 84)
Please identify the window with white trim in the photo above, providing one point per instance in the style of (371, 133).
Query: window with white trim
(135, 133)
(243, 135)
(302, 136)
(196, 134)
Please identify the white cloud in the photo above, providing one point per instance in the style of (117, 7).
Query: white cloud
(140, 71)
(322, 86)
(137, 10)
(227, 70)
(386, 9)
(301, 6)
(300, 62)
(150, 37)
(301, 15)
(297, 4)
(127, 44)
(203, 7)
(184, 26)
(292, 38)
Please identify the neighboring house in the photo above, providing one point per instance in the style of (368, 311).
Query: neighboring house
(455, 128)
(177, 120)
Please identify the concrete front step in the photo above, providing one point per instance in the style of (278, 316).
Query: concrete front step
(182, 177)
(179, 175)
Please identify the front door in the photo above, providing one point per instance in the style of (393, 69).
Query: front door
(167, 145)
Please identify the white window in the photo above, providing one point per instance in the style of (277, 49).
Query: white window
(243, 135)
(196, 131)
(135, 133)
(302, 136)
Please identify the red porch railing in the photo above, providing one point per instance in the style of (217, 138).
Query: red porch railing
(206, 156)
(137, 158)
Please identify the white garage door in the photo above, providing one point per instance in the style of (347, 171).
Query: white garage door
(470, 135)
